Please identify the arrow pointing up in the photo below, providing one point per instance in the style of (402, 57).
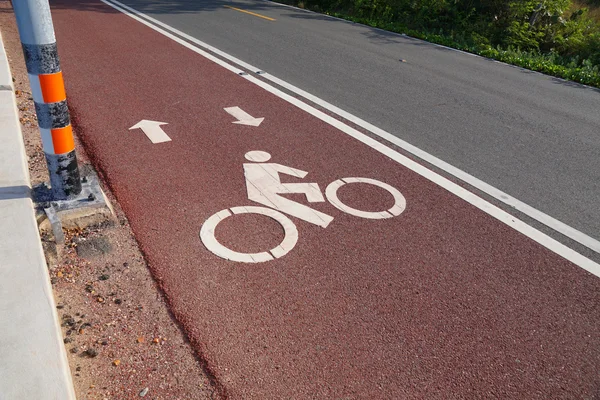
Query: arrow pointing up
(243, 117)
(153, 130)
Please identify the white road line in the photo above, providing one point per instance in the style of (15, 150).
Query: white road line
(459, 191)
(526, 209)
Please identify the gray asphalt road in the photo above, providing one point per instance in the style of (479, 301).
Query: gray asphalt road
(535, 137)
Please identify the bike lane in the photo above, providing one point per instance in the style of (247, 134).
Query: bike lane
(441, 301)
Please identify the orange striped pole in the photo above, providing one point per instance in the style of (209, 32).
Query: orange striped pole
(48, 91)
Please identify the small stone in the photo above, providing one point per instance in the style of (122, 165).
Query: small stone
(89, 288)
(91, 352)
(78, 369)
(126, 264)
(67, 340)
(104, 277)
(116, 363)
(81, 331)
(156, 340)
(60, 306)
(74, 350)
(144, 392)
(141, 339)
(104, 343)
(54, 280)
(118, 301)
(100, 299)
(59, 274)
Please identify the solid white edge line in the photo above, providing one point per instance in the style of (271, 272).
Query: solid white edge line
(520, 206)
(494, 211)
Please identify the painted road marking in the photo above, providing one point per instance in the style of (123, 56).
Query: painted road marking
(264, 187)
(499, 195)
(207, 235)
(243, 118)
(397, 209)
(251, 13)
(487, 207)
(153, 130)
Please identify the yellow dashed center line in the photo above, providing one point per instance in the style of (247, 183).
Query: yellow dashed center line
(251, 13)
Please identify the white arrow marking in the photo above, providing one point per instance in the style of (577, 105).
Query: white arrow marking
(153, 130)
(243, 118)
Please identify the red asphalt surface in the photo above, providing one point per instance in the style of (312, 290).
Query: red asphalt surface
(440, 302)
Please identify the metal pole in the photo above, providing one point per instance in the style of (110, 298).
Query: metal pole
(48, 91)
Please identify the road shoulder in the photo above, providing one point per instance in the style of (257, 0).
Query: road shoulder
(34, 361)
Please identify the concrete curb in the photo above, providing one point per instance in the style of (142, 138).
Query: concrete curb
(33, 362)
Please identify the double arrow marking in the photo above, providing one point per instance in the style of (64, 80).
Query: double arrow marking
(156, 134)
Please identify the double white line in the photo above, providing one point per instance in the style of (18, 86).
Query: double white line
(529, 231)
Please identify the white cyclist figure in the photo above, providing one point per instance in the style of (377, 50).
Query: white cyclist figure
(264, 186)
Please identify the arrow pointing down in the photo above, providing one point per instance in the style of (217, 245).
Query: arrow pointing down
(153, 130)
(243, 118)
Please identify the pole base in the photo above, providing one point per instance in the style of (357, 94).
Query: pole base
(88, 208)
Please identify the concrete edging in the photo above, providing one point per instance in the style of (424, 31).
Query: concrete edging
(34, 362)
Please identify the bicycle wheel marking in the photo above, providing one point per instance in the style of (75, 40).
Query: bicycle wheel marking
(207, 235)
(397, 209)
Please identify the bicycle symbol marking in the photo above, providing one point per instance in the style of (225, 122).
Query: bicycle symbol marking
(264, 186)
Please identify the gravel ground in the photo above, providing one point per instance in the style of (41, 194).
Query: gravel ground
(121, 340)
